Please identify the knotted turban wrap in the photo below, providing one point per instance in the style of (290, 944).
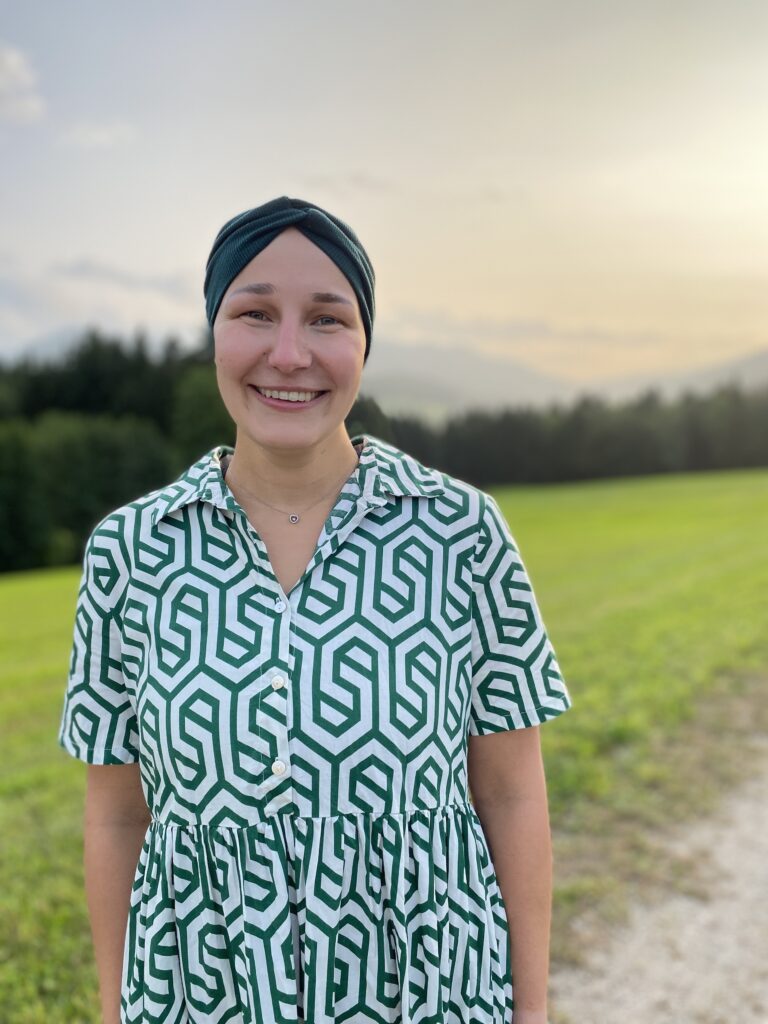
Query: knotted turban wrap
(245, 235)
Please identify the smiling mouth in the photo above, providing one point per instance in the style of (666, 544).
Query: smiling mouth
(285, 397)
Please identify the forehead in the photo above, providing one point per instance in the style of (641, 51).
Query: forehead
(292, 259)
(292, 244)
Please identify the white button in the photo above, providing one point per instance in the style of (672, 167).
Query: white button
(277, 682)
(278, 767)
(279, 605)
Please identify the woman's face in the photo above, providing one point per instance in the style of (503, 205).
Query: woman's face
(299, 330)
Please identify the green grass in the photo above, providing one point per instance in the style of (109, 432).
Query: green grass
(46, 962)
(653, 591)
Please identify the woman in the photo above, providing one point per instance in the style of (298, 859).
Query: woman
(296, 648)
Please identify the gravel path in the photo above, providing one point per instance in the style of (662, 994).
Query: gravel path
(683, 960)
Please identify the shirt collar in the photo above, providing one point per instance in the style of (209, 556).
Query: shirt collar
(382, 470)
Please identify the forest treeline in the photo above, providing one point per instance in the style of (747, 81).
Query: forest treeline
(107, 422)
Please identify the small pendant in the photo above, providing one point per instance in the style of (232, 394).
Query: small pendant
(293, 518)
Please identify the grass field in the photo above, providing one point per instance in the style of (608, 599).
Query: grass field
(653, 591)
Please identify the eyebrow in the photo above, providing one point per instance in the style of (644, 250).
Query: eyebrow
(264, 288)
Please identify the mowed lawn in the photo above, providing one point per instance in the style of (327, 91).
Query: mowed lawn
(653, 590)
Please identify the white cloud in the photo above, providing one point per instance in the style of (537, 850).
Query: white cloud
(19, 97)
(91, 135)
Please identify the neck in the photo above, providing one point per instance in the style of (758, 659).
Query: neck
(291, 480)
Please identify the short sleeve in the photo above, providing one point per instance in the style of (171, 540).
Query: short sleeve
(98, 722)
(516, 680)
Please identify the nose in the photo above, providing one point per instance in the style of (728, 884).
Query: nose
(288, 349)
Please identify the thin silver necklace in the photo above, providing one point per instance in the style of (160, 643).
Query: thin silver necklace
(294, 517)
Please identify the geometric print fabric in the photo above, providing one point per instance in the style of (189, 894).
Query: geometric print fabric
(313, 853)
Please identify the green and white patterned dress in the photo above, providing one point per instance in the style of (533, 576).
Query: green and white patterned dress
(313, 852)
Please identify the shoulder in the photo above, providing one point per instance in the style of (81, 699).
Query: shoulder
(123, 527)
(454, 501)
(464, 510)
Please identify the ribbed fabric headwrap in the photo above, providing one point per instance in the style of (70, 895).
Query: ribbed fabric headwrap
(245, 235)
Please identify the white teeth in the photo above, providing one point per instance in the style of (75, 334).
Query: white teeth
(289, 396)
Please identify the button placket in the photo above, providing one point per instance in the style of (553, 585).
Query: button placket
(280, 766)
(273, 721)
(278, 683)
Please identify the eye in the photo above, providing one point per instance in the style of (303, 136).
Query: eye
(254, 313)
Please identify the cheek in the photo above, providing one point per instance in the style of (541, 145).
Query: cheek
(348, 361)
(233, 352)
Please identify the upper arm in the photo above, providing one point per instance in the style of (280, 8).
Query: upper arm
(516, 678)
(98, 722)
(114, 795)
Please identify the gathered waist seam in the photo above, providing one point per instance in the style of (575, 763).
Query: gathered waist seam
(456, 805)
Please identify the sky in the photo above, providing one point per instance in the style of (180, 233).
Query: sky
(579, 186)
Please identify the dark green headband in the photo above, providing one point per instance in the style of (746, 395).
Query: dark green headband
(245, 235)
